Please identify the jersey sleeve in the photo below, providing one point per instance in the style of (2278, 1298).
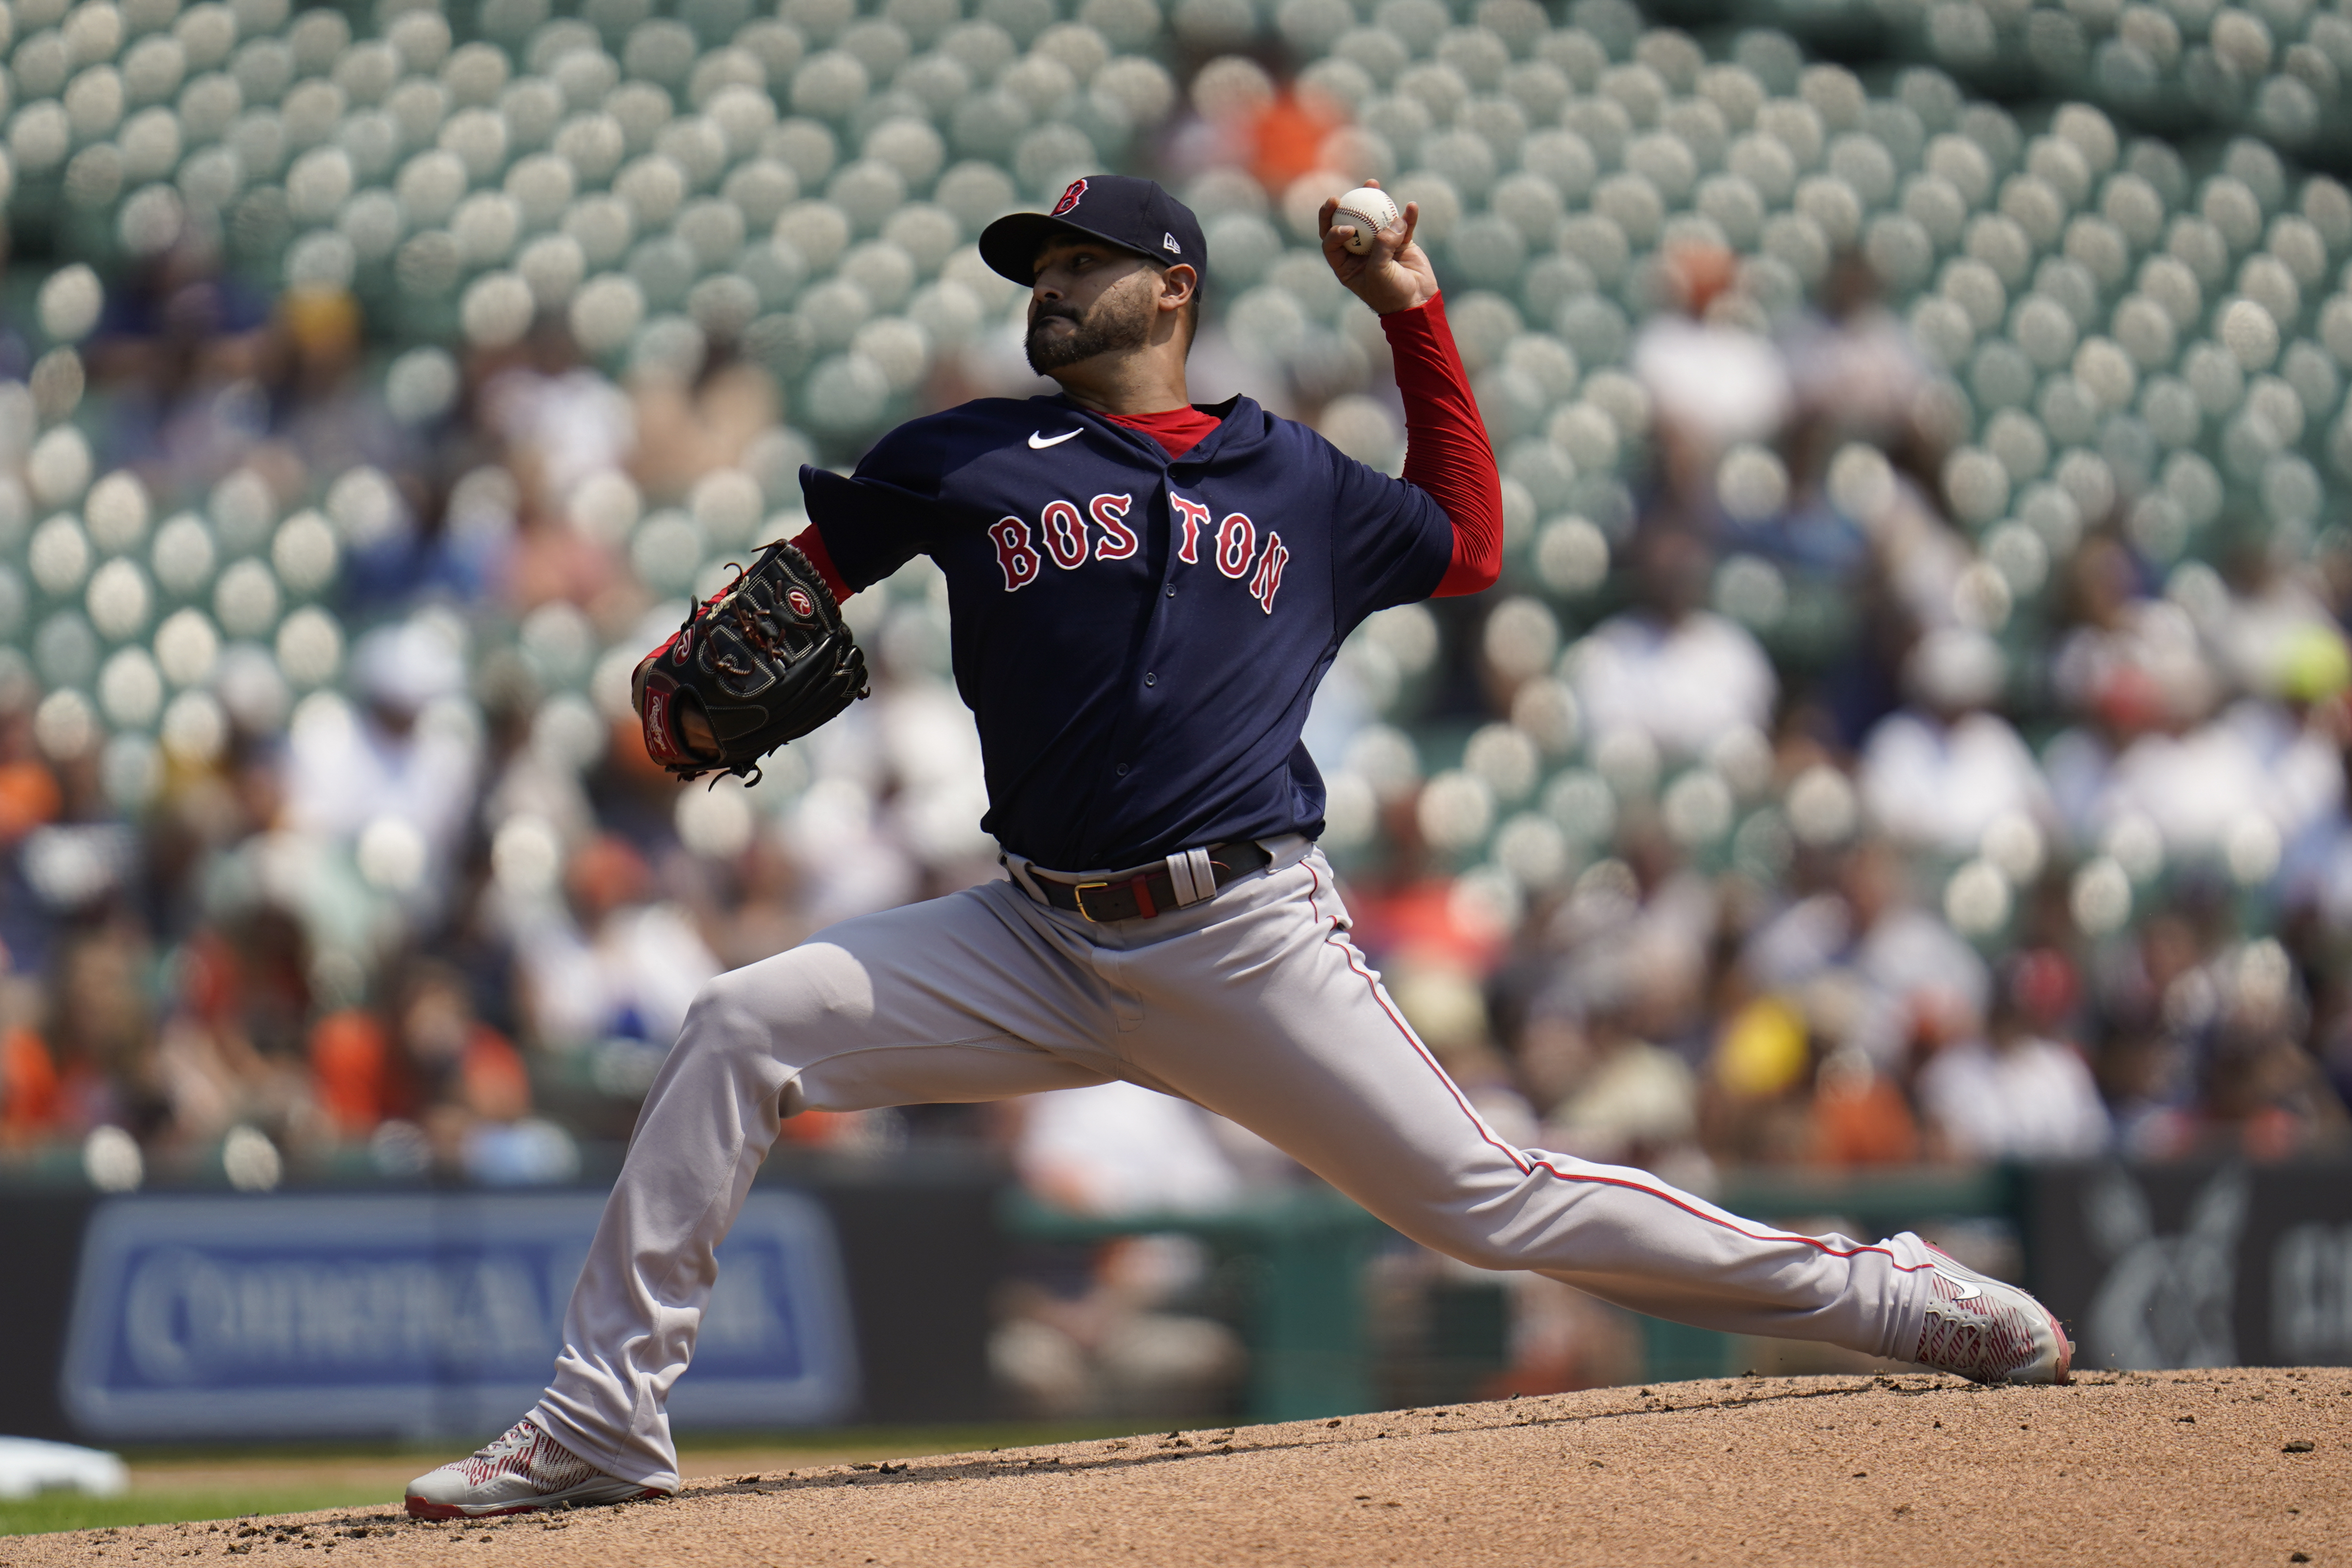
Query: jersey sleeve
(875, 521)
(1391, 541)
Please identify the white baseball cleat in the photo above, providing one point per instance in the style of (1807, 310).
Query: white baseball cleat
(523, 1471)
(1988, 1331)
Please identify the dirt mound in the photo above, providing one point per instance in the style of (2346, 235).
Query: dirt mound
(2249, 1466)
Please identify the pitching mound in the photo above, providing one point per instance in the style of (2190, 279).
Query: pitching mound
(2241, 1467)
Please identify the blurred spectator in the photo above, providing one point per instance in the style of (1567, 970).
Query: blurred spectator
(2017, 1094)
(1109, 1347)
(1852, 365)
(1106, 1340)
(622, 966)
(1121, 1149)
(178, 353)
(325, 419)
(356, 1073)
(101, 1035)
(1880, 974)
(471, 1090)
(30, 1108)
(393, 778)
(230, 1050)
(29, 795)
(1712, 381)
(1939, 775)
(2248, 776)
(1861, 1116)
(1668, 672)
(693, 418)
(562, 422)
(1288, 136)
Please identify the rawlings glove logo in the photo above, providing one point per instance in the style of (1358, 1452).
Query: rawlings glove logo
(661, 741)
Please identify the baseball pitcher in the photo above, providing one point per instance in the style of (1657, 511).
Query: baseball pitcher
(1144, 595)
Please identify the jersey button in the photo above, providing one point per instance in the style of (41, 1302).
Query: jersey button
(1121, 769)
(1171, 591)
(1150, 679)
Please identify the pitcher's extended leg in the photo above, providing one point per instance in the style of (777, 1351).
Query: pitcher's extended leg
(1271, 1017)
(941, 1001)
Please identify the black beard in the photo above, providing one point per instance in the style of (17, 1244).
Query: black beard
(1103, 330)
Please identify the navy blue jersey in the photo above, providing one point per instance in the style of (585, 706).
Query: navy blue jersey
(1139, 637)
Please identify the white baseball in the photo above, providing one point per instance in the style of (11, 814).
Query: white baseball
(1363, 212)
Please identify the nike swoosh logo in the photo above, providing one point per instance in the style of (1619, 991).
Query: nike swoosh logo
(1962, 1290)
(1038, 441)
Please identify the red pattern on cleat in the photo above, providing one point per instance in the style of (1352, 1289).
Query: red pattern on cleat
(523, 1471)
(1987, 1330)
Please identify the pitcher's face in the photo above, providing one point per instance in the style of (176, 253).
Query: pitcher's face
(1089, 299)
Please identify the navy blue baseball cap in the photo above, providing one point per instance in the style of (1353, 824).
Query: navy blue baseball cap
(1131, 214)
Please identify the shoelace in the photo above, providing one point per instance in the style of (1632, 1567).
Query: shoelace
(1982, 1334)
(755, 629)
(529, 1454)
(727, 599)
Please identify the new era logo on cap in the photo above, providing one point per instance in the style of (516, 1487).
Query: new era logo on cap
(1131, 214)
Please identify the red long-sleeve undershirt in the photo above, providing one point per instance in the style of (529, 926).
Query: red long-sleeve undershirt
(809, 542)
(1446, 452)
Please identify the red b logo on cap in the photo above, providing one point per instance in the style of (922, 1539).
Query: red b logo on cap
(1069, 198)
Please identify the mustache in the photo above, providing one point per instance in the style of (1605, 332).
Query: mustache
(1044, 313)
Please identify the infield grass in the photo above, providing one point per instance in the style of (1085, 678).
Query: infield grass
(170, 1484)
(72, 1511)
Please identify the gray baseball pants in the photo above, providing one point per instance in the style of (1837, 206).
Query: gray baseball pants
(1255, 1004)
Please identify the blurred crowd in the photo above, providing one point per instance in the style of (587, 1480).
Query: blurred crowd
(420, 903)
(1793, 802)
(1875, 843)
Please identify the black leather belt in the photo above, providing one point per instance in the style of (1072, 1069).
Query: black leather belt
(1151, 893)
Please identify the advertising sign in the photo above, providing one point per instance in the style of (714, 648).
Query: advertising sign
(417, 1314)
(2198, 1266)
